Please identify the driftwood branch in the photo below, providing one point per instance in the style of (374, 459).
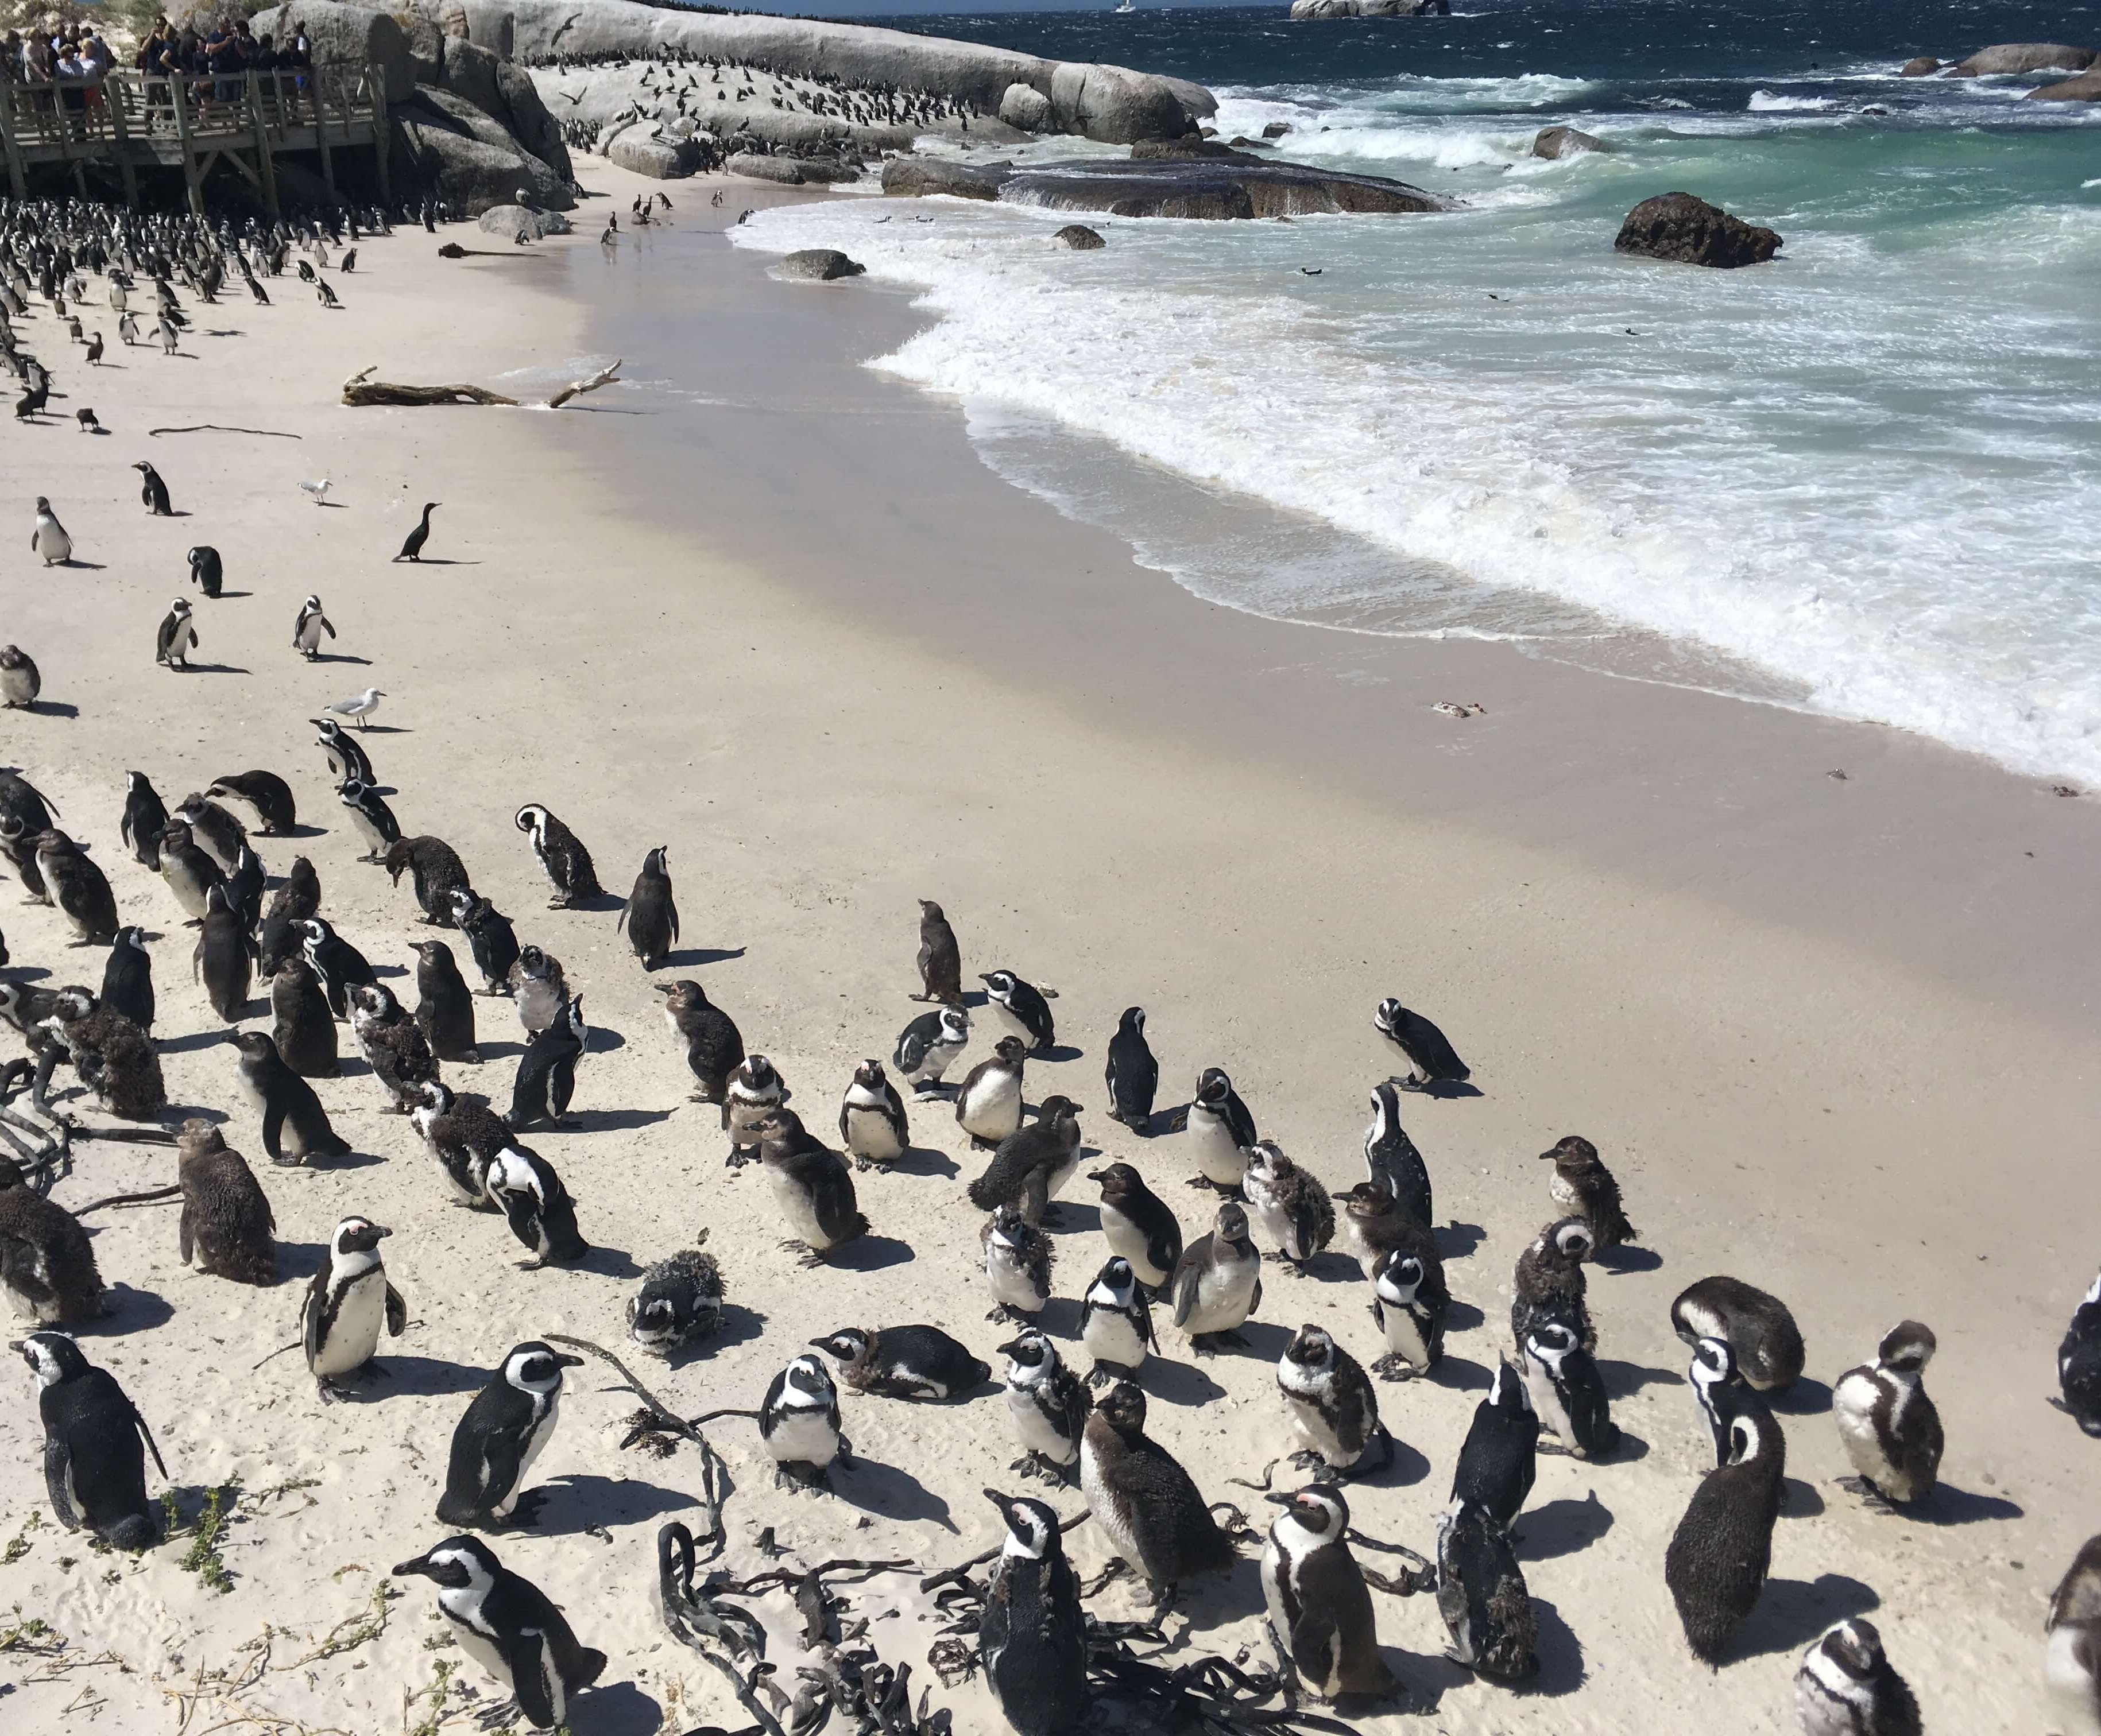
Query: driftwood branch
(213, 427)
(361, 391)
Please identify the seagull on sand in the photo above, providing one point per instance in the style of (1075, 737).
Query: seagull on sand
(362, 707)
(318, 490)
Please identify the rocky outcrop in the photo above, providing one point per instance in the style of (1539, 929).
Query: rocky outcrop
(919, 177)
(1237, 186)
(1677, 226)
(1079, 237)
(1554, 142)
(640, 150)
(1276, 129)
(1920, 67)
(2003, 58)
(345, 36)
(819, 265)
(515, 223)
(504, 91)
(784, 171)
(2086, 88)
(1303, 9)
(1025, 109)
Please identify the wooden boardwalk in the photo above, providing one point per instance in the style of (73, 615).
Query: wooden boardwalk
(132, 121)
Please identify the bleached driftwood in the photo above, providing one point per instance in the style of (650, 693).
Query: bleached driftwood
(361, 391)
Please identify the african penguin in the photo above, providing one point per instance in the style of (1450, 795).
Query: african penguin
(20, 682)
(2072, 1652)
(537, 1207)
(127, 977)
(1139, 1224)
(176, 636)
(348, 1300)
(713, 1044)
(1033, 1636)
(1333, 1408)
(346, 759)
(1218, 1282)
(546, 1077)
(188, 869)
(2079, 1363)
(1759, 1328)
(1132, 1074)
(1846, 1687)
(1889, 1426)
(308, 627)
(1288, 1209)
(1499, 1458)
(299, 895)
(751, 1093)
(222, 956)
(436, 873)
(445, 1004)
(1046, 1403)
(145, 819)
(650, 916)
(493, 945)
(334, 960)
(566, 862)
(1017, 1258)
(1717, 1558)
(1032, 1164)
(95, 1437)
(393, 1044)
(301, 1026)
(295, 1127)
(1409, 1304)
(1219, 1132)
(1115, 1323)
(1025, 1008)
(46, 1262)
(1481, 1595)
(466, 1135)
(227, 1229)
(928, 1045)
(78, 887)
(112, 1056)
(940, 959)
(1721, 1393)
(988, 1101)
(872, 1124)
(1567, 1391)
(269, 795)
(1391, 1156)
(370, 818)
(799, 1423)
(1548, 1284)
(904, 1361)
(680, 1300)
(1583, 1185)
(153, 492)
(538, 988)
(207, 571)
(812, 1185)
(1150, 1512)
(1320, 1608)
(507, 1427)
(1434, 1059)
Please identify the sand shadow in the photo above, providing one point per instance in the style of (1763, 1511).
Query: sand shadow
(419, 1376)
(921, 1160)
(339, 656)
(1265, 1340)
(192, 1041)
(498, 1050)
(608, 1262)
(1805, 1398)
(179, 1113)
(877, 1488)
(1560, 1655)
(130, 1310)
(214, 668)
(618, 1708)
(1463, 1317)
(37, 973)
(1790, 1613)
(1457, 1373)
(1072, 1216)
(296, 1260)
(614, 1121)
(1948, 1505)
(1560, 1527)
(53, 709)
(433, 560)
(1058, 1052)
(1183, 1384)
(694, 958)
(1624, 1380)
(584, 1501)
(1623, 1261)
(1799, 1500)
(1457, 1241)
(871, 1253)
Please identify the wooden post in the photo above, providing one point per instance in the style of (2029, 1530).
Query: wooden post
(263, 162)
(379, 140)
(18, 177)
(115, 94)
(320, 129)
(191, 180)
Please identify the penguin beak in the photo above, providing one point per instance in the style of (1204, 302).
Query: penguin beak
(403, 1569)
(1004, 1503)
(1281, 1497)
(1008, 1349)
(1098, 1175)
(567, 1362)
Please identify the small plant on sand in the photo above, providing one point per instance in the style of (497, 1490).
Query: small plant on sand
(202, 1557)
(18, 1546)
(440, 1686)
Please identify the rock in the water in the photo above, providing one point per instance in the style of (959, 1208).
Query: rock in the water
(1079, 237)
(2085, 88)
(1238, 186)
(2023, 57)
(1564, 141)
(1303, 9)
(820, 265)
(1276, 129)
(919, 177)
(1920, 67)
(749, 164)
(512, 221)
(1677, 226)
(1025, 109)
(636, 149)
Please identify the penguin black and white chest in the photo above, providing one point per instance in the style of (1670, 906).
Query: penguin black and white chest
(301, 1026)
(145, 819)
(1433, 1061)
(1220, 1130)
(1499, 1458)
(1548, 1284)
(508, 1626)
(1890, 1428)
(1721, 1392)
(95, 1445)
(812, 1183)
(1567, 1391)
(153, 492)
(1391, 1156)
(1032, 1164)
(176, 636)
(207, 571)
(267, 794)
(1288, 1209)
(1025, 1008)
(547, 1078)
(2071, 1651)
(127, 977)
(940, 959)
(988, 1102)
(1330, 1401)
(872, 1124)
(651, 916)
(1018, 1259)
(1131, 1073)
(222, 956)
(799, 1421)
(1139, 1224)
(348, 1302)
(307, 628)
(680, 1300)
(754, 1090)
(927, 1047)
(466, 1135)
(222, 837)
(507, 1427)
(904, 1361)
(1846, 1686)
(295, 1127)
(1150, 1510)
(1583, 1185)
(562, 854)
(1481, 1595)
(369, 817)
(78, 887)
(1032, 1638)
(393, 1043)
(536, 1205)
(334, 960)
(1115, 1323)
(1318, 1602)
(1409, 1303)
(445, 1004)
(1758, 1326)
(46, 1262)
(346, 758)
(538, 989)
(1716, 1561)
(1047, 1403)
(1218, 1281)
(2079, 1363)
(493, 943)
(713, 1044)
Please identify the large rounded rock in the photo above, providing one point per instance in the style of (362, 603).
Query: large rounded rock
(781, 170)
(819, 265)
(1921, 66)
(514, 222)
(2023, 57)
(1554, 142)
(1238, 186)
(345, 36)
(1025, 109)
(921, 177)
(1677, 226)
(443, 145)
(1079, 237)
(639, 150)
(1114, 105)
(2085, 88)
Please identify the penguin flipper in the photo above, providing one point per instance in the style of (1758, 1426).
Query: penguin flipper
(1315, 1639)
(671, 912)
(528, 1655)
(1254, 1301)
(273, 1128)
(58, 1462)
(153, 1445)
(397, 1312)
(1186, 1281)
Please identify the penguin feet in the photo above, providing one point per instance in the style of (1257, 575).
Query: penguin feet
(1394, 1366)
(1871, 1497)
(1000, 1315)
(496, 1717)
(739, 1156)
(1105, 1373)
(1308, 1460)
(1034, 1464)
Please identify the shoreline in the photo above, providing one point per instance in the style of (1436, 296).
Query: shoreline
(769, 608)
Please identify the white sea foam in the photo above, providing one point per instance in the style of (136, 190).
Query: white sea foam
(1770, 102)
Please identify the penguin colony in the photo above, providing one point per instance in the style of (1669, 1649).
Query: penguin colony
(1147, 1294)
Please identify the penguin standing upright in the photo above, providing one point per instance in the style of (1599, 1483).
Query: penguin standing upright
(127, 977)
(295, 1127)
(904, 1361)
(207, 571)
(1139, 1224)
(1149, 1510)
(176, 638)
(1890, 1428)
(308, 627)
(1026, 1006)
(1583, 1185)
(301, 1026)
(1717, 1558)
(754, 1090)
(1132, 1074)
(78, 887)
(94, 1443)
(798, 1424)
(112, 1056)
(562, 854)
(538, 989)
(1434, 1059)
(1548, 1284)
(1846, 1686)
(507, 1427)
(650, 916)
(1720, 1391)
(713, 1045)
(1033, 1636)
(493, 943)
(1481, 1595)
(223, 957)
(509, 1627)
(2079, 1363)
(988, 1101)
(466, 1137)
(872, 1124)
(812, 1185)
(222, 836)
(928, 1045)
(1115, 1323)
(1219, 1131)
(1499, 1458)
(47, 1267)
(49, 538)
(1760, 1330)
(1320, 1607)
(1046, 1403)
(1567, 1391)
(346, 758)
(145, 819)
(347, 1303)
(153, 492)
(227, 1228)
(1332, 1405)
(1391, 1156)
(297, 896)
(20, 682)
(547, 1078)
(445, 1006)
(1288, 1209)
(1409, 1304)
(1217, 1284)
(1018, 1259)
(189, 871)
(393, 1044)
(2071, 1653)
(940, 959)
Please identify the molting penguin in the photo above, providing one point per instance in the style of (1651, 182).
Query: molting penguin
(493, 943)
(78, 887)
(46, 1262)
(536, 1205)
(650, 916)
(145, 819)
(300, 1024)
(1149, 1510)
(269, 795)
(1033, 1636)
(940, 959)
(1046, 1403)
(1320, 1608)
(1391, 1156)
(713, 1044)
(227, 1228)
(435, 871)
(507, 1427)
(1026, 1007)
(1139, 1224)
(988, 1101)
(2079, 1363)
(568, 863)
(1115, 1323)
(1759, 1329)
(295, 1127)
(1218, 1282)
(347, 1303)
(1434, 1059)
(1017, 1258)
(753, 1092)
(1890, 1428)
(928, 1045)
(1846, 1686)
(1482, 1596)
(1220, 1130)
(393, 1044)
(1499, 1458)
(308, 627)
(1333, 1408)
(872, 1124)
(680, 1301)
(508, 1626)
(445, 1005)
(1718, 1556)
(222, 836)
(1409, 1304)
(1583, 1185)
(547, 1078)
(466, 1137)
(1567, 1391)
(207, 571)
(2071, 1653)
(176, 637)
(113, 1056)
(222, 956)
(1032, 1164)
(20, 682)
(813, 1186)
(1287, 1210)
(799, 1422)
(904, 1361)
(370, 818)
(538, 988)
(94, 1462)
(127, 977)
(1548, 1284)
(1132, 1074)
